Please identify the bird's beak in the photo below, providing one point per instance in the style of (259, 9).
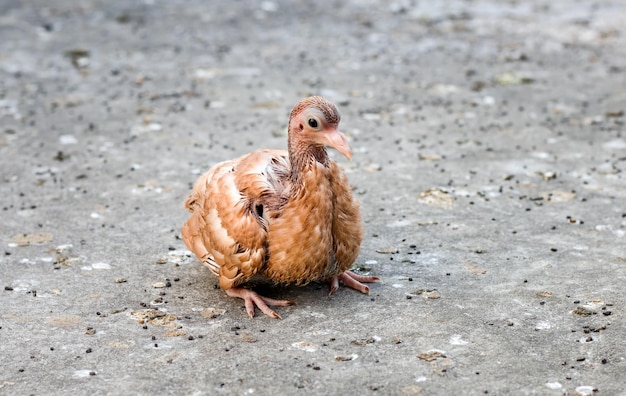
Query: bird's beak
(337, 140)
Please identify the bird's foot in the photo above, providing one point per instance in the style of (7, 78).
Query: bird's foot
(252, 299)
(352, 280)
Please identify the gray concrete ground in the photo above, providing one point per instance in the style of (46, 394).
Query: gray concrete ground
(489, 160)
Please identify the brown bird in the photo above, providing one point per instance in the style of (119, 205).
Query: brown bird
(286, 215)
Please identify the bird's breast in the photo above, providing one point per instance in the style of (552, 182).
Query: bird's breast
(301, 239)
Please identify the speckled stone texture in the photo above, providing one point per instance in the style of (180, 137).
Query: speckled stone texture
(489, 157)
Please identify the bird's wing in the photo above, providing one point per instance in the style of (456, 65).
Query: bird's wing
(230, 206)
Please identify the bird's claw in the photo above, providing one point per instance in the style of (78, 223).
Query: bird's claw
(252, 299)
(352, 280)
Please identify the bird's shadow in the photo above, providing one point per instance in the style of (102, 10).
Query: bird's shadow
(267, 288)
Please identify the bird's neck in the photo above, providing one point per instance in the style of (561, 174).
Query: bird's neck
(303, 156)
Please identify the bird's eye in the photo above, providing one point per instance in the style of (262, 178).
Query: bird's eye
(312, 122)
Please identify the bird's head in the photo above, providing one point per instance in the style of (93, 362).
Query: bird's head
(314, 121)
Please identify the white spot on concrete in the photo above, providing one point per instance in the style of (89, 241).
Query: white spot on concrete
(585, 390)
(269, 6)
(543, 325)
(206, 74)
(24, 285)
(554, 385)
(606, 168)
(593, 305)
(617, 144)
(145, 128)
(101, 266)
(46, 170)
(82, 374)
(353, 356)
(399, 223)
(217, 104)
(444, 89)
(9, 107)
(106, 146)
(66, 140)
(457, 340)
(305, 346)
(371, 116)
(371, 262)
(362, 315)
(540, 155)
(96, 266)
(317, 314)
(180, 256)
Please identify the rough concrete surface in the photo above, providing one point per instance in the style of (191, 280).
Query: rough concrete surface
(489, 159)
